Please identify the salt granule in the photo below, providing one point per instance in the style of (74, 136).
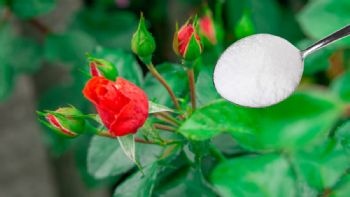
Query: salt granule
(258, 71)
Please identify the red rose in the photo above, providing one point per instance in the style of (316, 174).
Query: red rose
(122, 106)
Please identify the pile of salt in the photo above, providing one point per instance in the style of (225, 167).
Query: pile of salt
(258, 71)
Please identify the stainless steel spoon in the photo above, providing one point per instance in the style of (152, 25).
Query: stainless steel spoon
(326, 41)
(262, 70)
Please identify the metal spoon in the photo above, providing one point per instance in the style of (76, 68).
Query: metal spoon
(326, 41)
(262, 70)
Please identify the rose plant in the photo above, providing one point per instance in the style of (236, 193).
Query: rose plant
(170, 134)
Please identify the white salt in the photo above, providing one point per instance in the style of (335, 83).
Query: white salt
(258, 71)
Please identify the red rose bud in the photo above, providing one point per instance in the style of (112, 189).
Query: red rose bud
(187, 43)
(142, 42)
(65, 121)
(121, 105)
(101, 67)
(207, 29)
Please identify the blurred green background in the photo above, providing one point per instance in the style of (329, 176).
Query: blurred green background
(42, 66)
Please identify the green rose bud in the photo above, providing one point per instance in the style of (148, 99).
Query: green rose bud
(65, 121)
(101, 67)
(142, 42)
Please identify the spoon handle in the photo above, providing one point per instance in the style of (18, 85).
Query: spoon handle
(326, 41)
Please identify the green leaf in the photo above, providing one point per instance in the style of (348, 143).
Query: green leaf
(155, 108)
(341, 86)
(6, 80)
(106, 158)
(175, 76)
(31, 8)
(205, 90)
(343, 188)
(28, 55)
(285, 125)
(143, 186)
(6, 70)
(138, 185)
(127, 143)
(69, 47)
(322, 166)
(342, 135)
(126, 63)
(81, 151)
(264, 175)
(316, 14)
(187, 182)
(112, 29)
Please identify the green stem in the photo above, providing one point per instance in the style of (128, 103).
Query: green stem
(156, 74)
(190, 74)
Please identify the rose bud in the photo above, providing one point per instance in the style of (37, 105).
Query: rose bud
(209, 31)
(187, 43)
(101, 67)
(66, 121)
(142, 42)
(121, 105)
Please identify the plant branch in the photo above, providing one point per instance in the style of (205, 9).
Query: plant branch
(169, 118)
(40, 26)
(156, 74)
(164, 127)
(190, 74)
(166, 119)
(6, 15)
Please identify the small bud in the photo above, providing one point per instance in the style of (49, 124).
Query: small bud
(101, 67)
(209, 31)
(66, 121)
(187, 43)
(142, 42)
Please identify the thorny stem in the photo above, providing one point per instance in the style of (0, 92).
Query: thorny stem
(164, 127)
(169, 118)
(190, 74)
(156, 74)
(158, 116)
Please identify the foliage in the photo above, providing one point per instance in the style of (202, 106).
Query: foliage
(209, 147)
